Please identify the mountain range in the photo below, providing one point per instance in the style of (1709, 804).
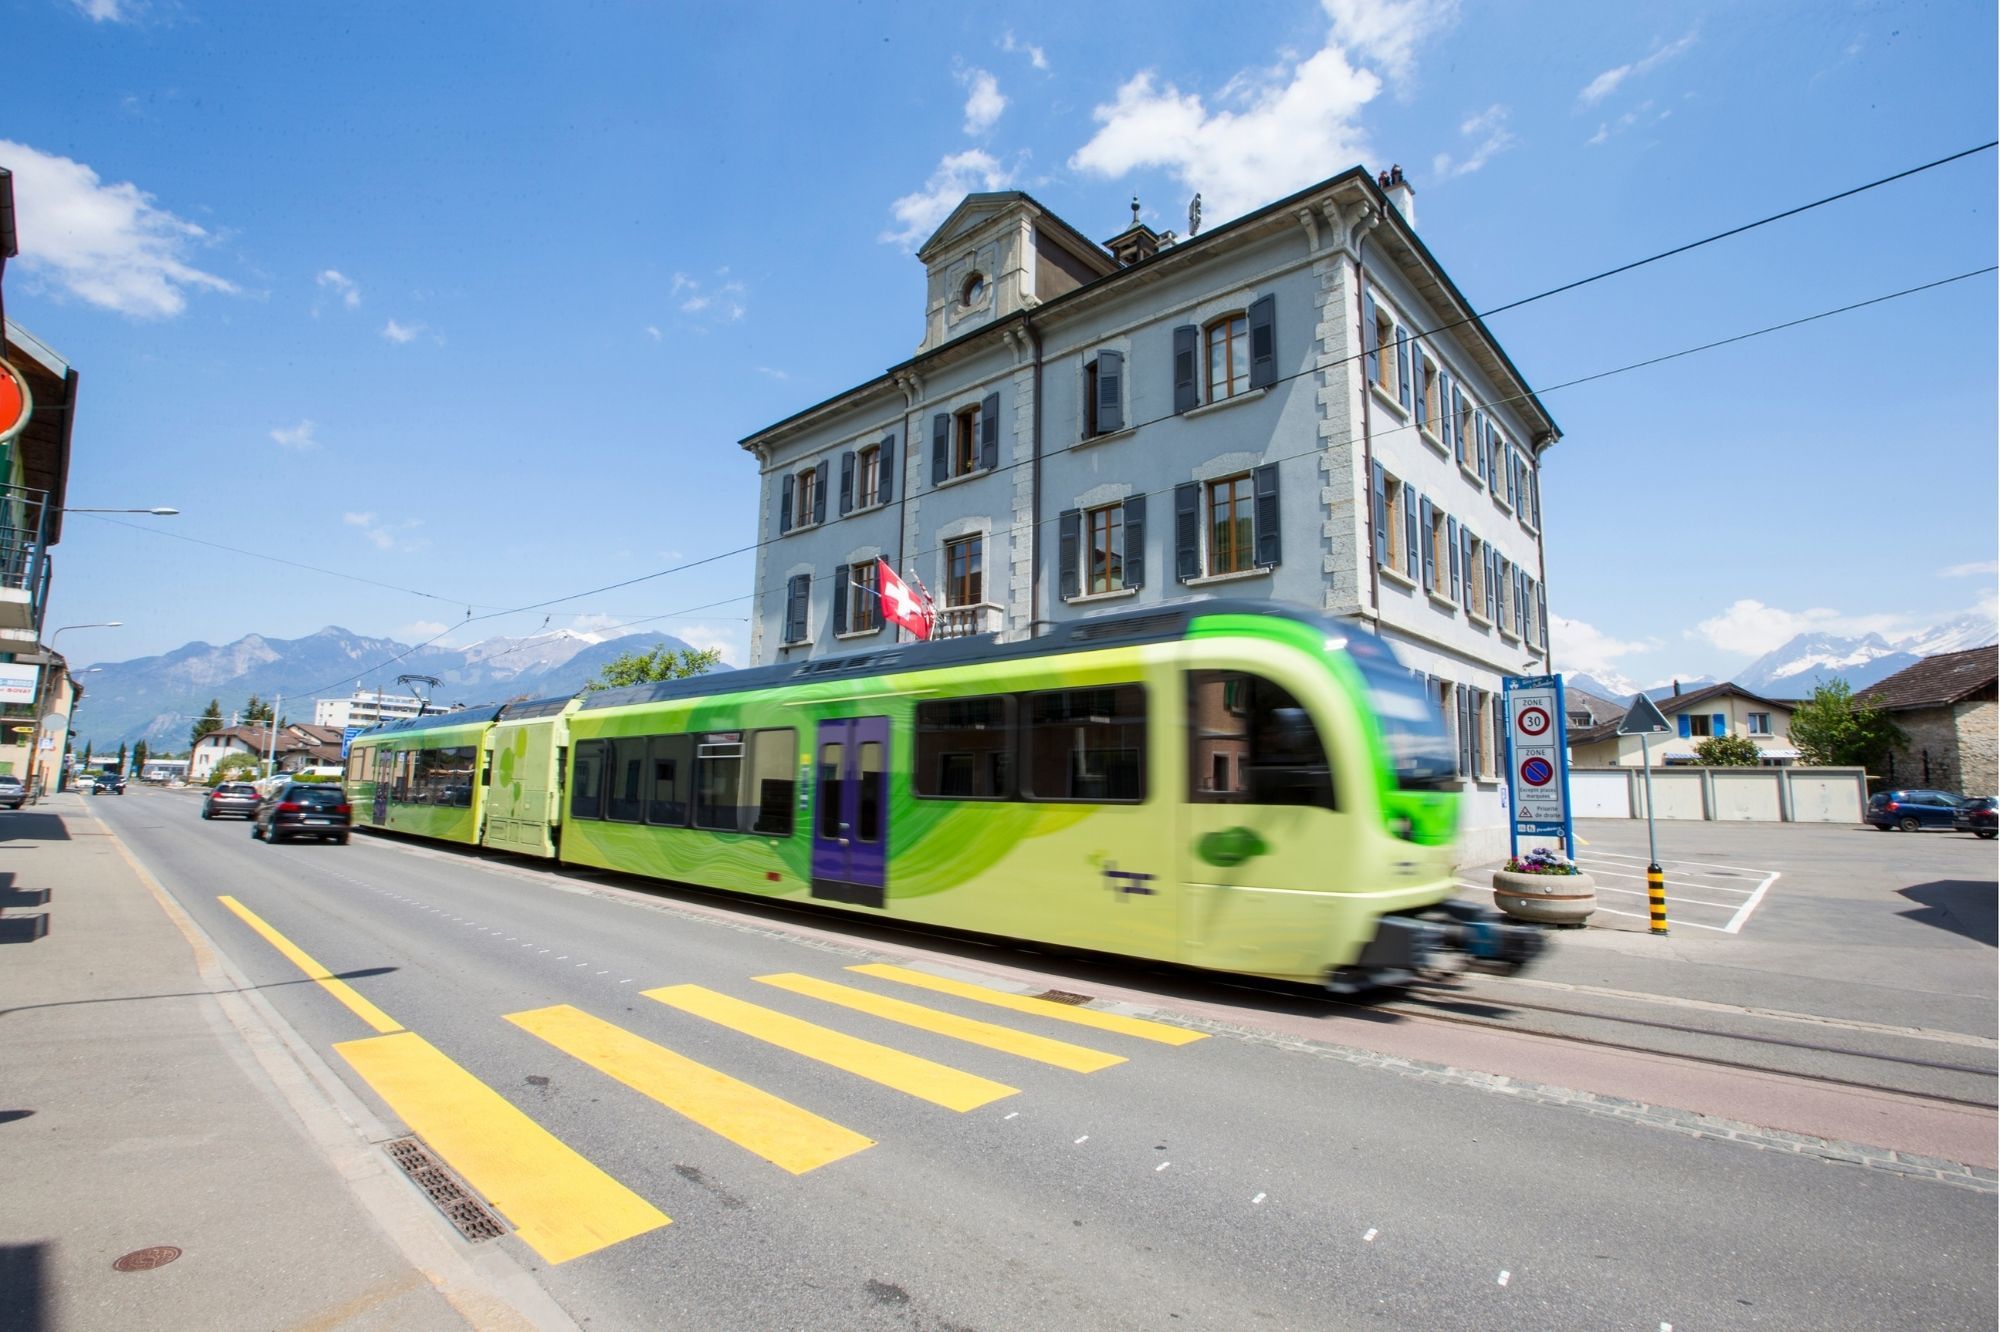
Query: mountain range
(158, 698)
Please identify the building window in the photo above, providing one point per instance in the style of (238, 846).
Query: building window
(1228, 345)
(1475, 575)
(1104, 535)
(965, 441)
(1231, 525)
(861, 597)
(1104, 394)
(1760, 723)
(973, 291)
(963, 584)
(1385, 337)
(1427, 386)
(1437, 568)
(805, 490)
(868, 477)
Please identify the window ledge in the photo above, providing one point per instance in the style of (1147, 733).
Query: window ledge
(860, 509)
(1209, 579)
(1472, 475)
(1441, 601)
(1085, 598)
(1509, 635)
(844, 635)
(1428, 433)
(1480, 620)
(1397, 576)
(1220, 404)
(963, 477)
(1102, 436)
(796, 528)
(1501, 504)
(1387, 399)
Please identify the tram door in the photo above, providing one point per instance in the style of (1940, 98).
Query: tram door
(850, 840)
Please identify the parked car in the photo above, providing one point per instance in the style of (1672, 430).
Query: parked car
(304, 809)
(239, 798)
(13, 795)
(1978, 815)
(1911, 811)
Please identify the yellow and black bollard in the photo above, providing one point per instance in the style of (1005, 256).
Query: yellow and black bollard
(1656, 896)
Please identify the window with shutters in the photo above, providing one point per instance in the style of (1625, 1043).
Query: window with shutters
(1104, 549)
(805, 489)
(1227, 344)
(1437, 569)
(1394, 544)
(965, 441)
(963, 579)
(1506, 597)
(1386, 339)
(862, 597)
(1231, 525)
(1104, 394)
(1476, 561)
(868, 477)
(1426, 385)
(1463, 427)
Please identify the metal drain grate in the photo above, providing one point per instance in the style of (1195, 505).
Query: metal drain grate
(460, 1208)
(1062, 997)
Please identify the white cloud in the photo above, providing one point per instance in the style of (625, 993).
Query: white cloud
(1036, 56)
(723, 302)
(1607, 83)
(1978, 568)
(730, 638)
(652, 331)
(106, 11)
(1584, 647)
(109, 245)
(1491, 137)
(384, 535)
(1642, 112)
(416, 631)
(1387, 32)
(984, 102)
(957, 175)
(298, 438)
(400, 333)
(774, 374)
(335, 283)
(1751, 628)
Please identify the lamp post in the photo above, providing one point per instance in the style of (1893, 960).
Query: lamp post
(161, 512)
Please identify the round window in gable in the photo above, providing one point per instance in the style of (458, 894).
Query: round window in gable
(974, 290)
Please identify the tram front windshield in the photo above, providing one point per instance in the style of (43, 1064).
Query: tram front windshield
(1420, 750)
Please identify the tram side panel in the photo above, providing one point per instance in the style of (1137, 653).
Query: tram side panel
(521, 806)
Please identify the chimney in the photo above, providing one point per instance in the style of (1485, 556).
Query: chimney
(1138, 242)
(1401, 193)
(1677, 689)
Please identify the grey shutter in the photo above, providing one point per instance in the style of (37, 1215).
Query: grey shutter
(989, 432)
(1453, 435)
(1417, 403)
(940, 449)
(1463, 698)
(1542, 611)
(1187, 531)
(1135, 541)
(841, 592)
(797, 595)
(819, 494)
(1263, 342)
(885, 472)
(1479, 443)
(1069, 526)
(1492, 571)
(1430, 546)
(1110, 392)
(1478, 748)
(1465, 540)
(1371, 353)
(1535, 494)
(1380, 513)
(847, 483)
(1267, 545)
(785, 506)
(1451, 541)
(1403, 367)
(1185, 397)
(1411, 566)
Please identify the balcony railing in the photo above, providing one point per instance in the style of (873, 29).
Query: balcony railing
(24, 558)
(965, 621)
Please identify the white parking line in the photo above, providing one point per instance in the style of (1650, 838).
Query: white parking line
(1695, 924)
(1695, 879)
(1706, 864)
(1673, 899)
(1743, 913)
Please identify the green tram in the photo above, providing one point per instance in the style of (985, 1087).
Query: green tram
(1241, 787)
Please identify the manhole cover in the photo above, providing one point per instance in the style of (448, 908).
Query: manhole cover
(145, 1260)
(1063, 997)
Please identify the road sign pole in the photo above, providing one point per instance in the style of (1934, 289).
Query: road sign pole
(1656, 879)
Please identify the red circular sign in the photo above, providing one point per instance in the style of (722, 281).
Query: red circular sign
(1534, 721)
(14, 401)
(1538, 771)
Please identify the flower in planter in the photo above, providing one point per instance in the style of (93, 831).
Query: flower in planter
(1541, 860)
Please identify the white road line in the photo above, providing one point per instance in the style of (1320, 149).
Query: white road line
(1705, 864)
(1504, 1276)
(626, 981)
(1080, 1141)
(1369, 1238)
(1743, 912)
(1254, 1201)
(1161, 1166)
(1672, 897)
(1693, 924)
(1596, 873)
(1010, 1114)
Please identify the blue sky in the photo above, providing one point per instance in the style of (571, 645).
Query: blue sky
(477, 300)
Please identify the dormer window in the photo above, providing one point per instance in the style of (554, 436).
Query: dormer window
(973, 291)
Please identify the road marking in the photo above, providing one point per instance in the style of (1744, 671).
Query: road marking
(1010, 1114)
(1705, 864)
(1677, 923)
(1076, 1058)
(1161, 1166)
(1369, 1238)
(783, 1134)
(1254, 1201)
(1021, 1003)
(1504, 1276)
(1673, 898)
(560, 1204)
(1743, 912)
(907, 1073)
(1695, 880)
(1080, 1141)
(339, 989)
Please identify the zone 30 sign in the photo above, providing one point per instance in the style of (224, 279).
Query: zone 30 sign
(1537, 758)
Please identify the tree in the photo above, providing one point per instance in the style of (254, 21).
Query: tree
(237, 768)
(256, 710)
(210, 720)
(138, 756)
(86, 753)
(660, 663)
(1728, 751)
(1833, 728)
(121, 756)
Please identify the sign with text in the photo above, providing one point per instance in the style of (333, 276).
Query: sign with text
(1537, 758)
(347, 734)
(19, 683)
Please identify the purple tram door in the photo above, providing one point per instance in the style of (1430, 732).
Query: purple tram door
(850, 827)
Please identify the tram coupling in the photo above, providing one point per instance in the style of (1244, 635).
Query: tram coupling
(1407, 945)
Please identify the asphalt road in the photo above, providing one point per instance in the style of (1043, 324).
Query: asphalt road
(1224, 1183)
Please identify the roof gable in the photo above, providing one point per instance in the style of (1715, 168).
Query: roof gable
(1949, 677)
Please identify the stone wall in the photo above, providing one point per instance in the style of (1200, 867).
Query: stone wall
(1930, 755)
(1978, 725)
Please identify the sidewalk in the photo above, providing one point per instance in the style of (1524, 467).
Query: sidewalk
(146, 1100)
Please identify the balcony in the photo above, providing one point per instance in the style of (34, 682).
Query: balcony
(966, 621)
(24, 560)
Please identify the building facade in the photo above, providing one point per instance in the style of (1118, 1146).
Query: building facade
(1299, 405)
(1948, 709)
(364, 708)
(1696, 715)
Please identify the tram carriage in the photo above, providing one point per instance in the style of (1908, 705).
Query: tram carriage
(1240, 787)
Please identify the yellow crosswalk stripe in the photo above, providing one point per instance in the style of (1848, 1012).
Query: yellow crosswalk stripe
(1143, 1028)
(561, 1204)
(303, 960)
(1062, 1054)
(774, 1129)
(936, 1083)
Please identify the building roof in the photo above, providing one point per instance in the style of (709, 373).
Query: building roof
(1949, 677)
(1681, 702)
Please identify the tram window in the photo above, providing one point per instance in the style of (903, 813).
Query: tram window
(965, 749)
(832, 758)
(772, 781)
(718, 770)
(1088, 744)
(672, 759)
(587, 791)
(746, 781)
(868, 821)
(625, 775)
(1251, 727)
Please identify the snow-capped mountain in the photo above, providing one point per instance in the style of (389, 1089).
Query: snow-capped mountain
(1796, 668)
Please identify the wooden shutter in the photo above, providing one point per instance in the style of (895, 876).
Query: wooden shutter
(885, 471)
(1263, 342)
(1403, 359)
(1069, 528)
(1379, 513)
(1371, 353)
(1110, 392)
(1463, 697)
(989, 432)
(1451, 543)
(1268, 548)
(940, 449)
(819, 493)
(1465, 540)
(1430, 545)
(796, 599)
(785, 506)
(1479, 443)
(1186, 398)
(1412, 559)
(1452, 434)
(1135, 541)
(847, 483)
(842, 575)
(1187, 531)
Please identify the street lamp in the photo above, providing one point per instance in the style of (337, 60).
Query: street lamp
(157, 513)
(98, 624)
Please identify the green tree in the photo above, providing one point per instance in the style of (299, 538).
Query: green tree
(1728, 751)
(660, 663)
(138, 756)
(256, 710)
(1833, 728)
(210, 720)
(237, 768)
(86, 753)
(121, 756)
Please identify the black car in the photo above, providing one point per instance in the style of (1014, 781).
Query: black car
(1977, 815)
(1911, 810)
(304, 809)
(230, 798)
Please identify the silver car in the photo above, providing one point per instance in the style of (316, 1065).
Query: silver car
(238, 798)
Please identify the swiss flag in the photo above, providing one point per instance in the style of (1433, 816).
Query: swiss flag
(901, 606)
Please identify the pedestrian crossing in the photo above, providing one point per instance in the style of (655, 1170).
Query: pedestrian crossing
(564, 1206)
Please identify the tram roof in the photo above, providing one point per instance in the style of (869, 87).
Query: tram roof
(1151, 624)
(437, 721)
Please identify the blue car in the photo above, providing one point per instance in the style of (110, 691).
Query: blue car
(1912, 811)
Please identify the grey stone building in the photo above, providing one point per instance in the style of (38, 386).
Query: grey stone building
(1948, 708)
(1297, 405)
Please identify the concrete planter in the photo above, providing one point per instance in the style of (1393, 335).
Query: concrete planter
(1552, 899)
